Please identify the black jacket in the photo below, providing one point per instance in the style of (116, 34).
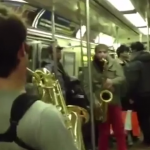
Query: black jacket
(137, 74)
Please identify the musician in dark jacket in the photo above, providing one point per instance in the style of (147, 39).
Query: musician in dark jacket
(138, 77)
(114, 77)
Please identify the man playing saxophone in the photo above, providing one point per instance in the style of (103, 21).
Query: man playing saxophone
(114, 77)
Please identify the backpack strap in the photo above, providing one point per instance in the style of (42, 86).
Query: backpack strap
(21, 104)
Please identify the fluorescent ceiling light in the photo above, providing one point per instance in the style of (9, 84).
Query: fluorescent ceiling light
(81, 32)
(20, 1)
(144, 30)
(122, 5)
(136, 19)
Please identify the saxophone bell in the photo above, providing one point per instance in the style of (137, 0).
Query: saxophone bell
(106, 96)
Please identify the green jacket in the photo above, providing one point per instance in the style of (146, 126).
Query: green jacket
(114, 72)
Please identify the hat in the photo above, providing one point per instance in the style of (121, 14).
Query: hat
(58, 48)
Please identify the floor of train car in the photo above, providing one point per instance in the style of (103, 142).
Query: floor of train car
(136, 146)
(132, 148)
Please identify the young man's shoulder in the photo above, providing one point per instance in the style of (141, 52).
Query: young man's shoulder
(39, 110)
(37, 122)
(45, 128)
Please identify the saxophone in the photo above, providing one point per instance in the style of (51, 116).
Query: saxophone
(51, 92)
(105, 97)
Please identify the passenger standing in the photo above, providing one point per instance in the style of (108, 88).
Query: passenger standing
(42, 126)
(138, 77)
(123, 57)
(123, 54)
(114, 79)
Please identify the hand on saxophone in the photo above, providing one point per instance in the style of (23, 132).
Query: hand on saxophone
(108, 84)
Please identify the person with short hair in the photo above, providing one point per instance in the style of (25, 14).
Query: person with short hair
(127, 107)
(42, 127)
(107, 75)
(137, 74)
(123, 54)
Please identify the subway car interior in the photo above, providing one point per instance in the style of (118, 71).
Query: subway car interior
(78, 26)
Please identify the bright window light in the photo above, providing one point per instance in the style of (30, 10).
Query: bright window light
(116, 45)
(144, 30)
(83, 30)
(97, 39)
(136, 19)
(104, 39)
(85, 58)
(122, 5)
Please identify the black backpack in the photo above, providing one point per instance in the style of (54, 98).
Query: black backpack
(21, 104)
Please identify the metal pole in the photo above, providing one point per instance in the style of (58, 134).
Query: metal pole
(117, 31)
(141, 37)
(147, 21)
(87, 9)
(81, 39)
(81, 43)
(148, 46)
(53, 37)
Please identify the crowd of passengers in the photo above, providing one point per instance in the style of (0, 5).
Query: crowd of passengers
(128, 74)
(28, 123)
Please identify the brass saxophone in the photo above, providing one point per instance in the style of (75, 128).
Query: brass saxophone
(105, 97)
(51, 92)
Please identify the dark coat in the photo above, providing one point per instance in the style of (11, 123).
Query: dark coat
(124, 97)
(137, 74)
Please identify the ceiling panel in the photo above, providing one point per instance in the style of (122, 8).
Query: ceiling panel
(102, 16)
